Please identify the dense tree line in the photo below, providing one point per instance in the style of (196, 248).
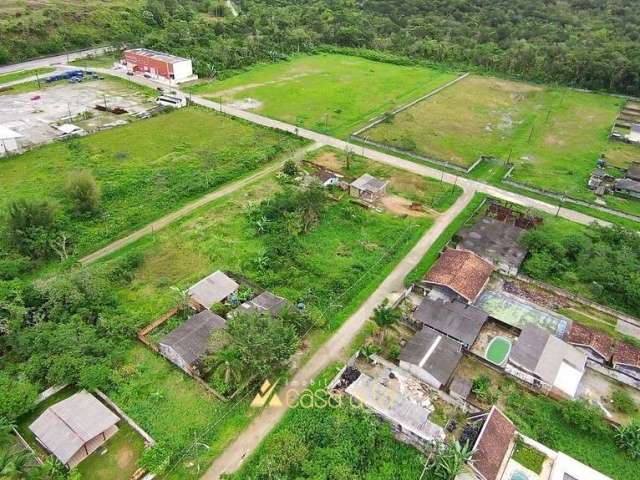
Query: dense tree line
(585, 43)
(601, 262)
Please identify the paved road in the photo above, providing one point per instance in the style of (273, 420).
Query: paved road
(332, 350)
(53, 60)
(187, 209)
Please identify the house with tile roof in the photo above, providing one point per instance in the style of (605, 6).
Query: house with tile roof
(494, 445)
(598, 346)
(626, 359)
(459, 274)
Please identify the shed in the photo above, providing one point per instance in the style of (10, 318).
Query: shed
(546, 362)
(460, 272)
(460, 388)
(409, 420)
(597, 345)
(627, 186)
(10, 141)
(633, 172)
(186, 345)
(74, 428)
(265, 303)
(368, 188)
(326, 177)
(431, 357)
(493, 446)
(215, 288)
(634, 133)
(455, 319)
(626, 359)
(495, 241)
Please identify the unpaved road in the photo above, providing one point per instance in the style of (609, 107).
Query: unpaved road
(189, 208)
(332, 350)
(54, 60)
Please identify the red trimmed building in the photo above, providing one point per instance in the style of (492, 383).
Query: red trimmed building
(159, 65)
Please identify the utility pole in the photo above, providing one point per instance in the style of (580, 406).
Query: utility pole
(105, 101)
(38, 79)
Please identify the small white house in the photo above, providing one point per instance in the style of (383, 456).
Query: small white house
(10, 141)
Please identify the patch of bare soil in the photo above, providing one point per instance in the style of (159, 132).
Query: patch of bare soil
(247, 104)
(124, 458)
(401, 206)
(230, 92)
(329, 161)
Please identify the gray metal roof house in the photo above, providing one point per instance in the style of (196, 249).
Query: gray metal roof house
(186, 345)
(546, 362)
(410, 421)
(497, 242)
(215, 288)
(368, 188)
(74, 428)
(454, 319)
(265, 303)
(431, 357)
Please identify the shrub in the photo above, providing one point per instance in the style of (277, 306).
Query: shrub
(290, 168)
(623, 402)
(628, 438)
(16, 396)
(584, 416)
(31, 226)
(83, 191)
(482, 389)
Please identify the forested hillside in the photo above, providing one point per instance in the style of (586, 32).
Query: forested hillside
(586, 43)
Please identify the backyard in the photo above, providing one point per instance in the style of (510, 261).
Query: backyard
(144, 169)
(331, 93)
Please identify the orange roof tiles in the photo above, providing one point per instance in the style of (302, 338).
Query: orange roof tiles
(462, 271)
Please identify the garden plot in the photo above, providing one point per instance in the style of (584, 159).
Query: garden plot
(553, 136)
(331, 93)
(31, 113)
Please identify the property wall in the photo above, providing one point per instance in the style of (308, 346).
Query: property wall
(525, 376)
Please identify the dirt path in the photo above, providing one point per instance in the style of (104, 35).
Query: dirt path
(332, 350)
(187, 209)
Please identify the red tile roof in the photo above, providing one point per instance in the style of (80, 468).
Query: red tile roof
(462, 271)
(493, 444)
(598, 341)
(627, 355)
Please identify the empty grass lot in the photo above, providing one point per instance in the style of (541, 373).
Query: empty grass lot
(347, 255)
(330, 93)
(553, 135)
(144, 170)
(19, 75)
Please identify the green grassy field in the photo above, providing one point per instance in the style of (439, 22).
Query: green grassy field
(330, 93)
(553, 135)
(144, 169)
(348, 253)
(101, 61)
(15, 76)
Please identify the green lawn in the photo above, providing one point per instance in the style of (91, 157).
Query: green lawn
(144, 169)
(331, 441)
(331, 93)
(120, 461)
(341, 261)
(102, 61)
(19, 75)
(528, 457)
(553, 135)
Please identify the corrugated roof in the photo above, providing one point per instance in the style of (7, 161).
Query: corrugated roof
(436, 354)
(191, 339)
(164, 57)
(266, 302)
(495, 241)
(369, 183)
(455, 319)
(462, 271)
(493, 444)
(66, 426)
(213, 289)
(394, 407)
(627, 184)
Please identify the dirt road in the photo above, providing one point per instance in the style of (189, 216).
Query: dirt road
(187, 209)
(332, 350)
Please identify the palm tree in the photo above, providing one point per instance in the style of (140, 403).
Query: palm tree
(385, 316)
(450, 460)
(15, 464)
(227, 364)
